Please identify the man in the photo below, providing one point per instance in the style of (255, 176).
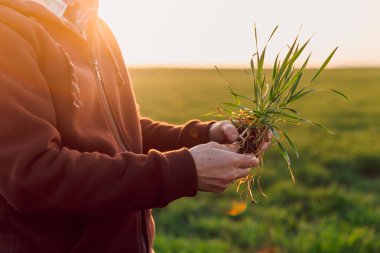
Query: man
(79, 168)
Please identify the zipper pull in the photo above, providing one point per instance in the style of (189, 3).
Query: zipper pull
(96, 65)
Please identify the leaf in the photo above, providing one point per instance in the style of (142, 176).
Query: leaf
(252, 65)
(237, 208)
(274, 131)
(323, 127)
(293, 111)
(289, 116)
(291, 144)
(324, 65)
(228, 86)
(319, 125)
(235, 106)
(257, 47)
(298, 52)
(342, 94)
(236, 98)
(242, 96)
(300, 94)
(260, 66)
(284, 153)
(291, 81)
(220, 74)
(274, 31)
(274, 71)
(294, 87)
(285, 63)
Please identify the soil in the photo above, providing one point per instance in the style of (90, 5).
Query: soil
(251, 140)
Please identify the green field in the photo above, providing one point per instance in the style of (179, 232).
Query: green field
(335, 204)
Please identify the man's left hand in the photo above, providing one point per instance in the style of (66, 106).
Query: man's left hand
(223, 132)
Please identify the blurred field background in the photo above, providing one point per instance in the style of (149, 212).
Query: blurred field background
(333, 207)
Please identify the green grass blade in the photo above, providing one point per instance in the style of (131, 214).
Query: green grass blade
(252, 66)
(323, 127)
(324, 65)
(293, 111)
(296, 117)
(221, 76)
(257, 44)
(300, 94)
(242, 96)
(274, 71)
(342, 94)
(284, 64)
(274, 31)
(295, 86)
(291, 144)
(292, 82)
(284, 153)
(274, 131)
(298, 52)
(235, 106)
(260, 65)
(318, 125)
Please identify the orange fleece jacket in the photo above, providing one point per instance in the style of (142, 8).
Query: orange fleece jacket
(79, 168)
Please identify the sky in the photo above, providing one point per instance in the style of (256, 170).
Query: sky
(204, 33)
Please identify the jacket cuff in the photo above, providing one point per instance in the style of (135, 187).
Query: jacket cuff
(182, 175)
(198, 133)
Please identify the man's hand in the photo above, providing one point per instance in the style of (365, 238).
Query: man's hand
(225, 132)
(218, 166)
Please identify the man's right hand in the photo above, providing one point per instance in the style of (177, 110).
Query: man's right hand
(218, 166)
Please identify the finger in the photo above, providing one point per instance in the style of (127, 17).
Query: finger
(230, 131)
(268, 136)
(242, 173)
(233, 147)
(265, 146)
(246, 161)
(229, 147)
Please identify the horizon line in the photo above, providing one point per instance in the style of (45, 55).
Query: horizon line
(235, 66)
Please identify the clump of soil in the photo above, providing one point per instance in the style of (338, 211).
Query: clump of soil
(251, 139)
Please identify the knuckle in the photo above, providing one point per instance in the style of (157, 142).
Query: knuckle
(212, 144)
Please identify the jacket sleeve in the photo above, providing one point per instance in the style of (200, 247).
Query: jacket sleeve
(165, 137)
(40, 177)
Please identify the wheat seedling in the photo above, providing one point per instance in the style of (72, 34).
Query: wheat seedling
(270, 104)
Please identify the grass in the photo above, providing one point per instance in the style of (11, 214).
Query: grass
(333, 207)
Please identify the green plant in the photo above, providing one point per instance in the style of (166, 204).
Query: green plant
(270, 105)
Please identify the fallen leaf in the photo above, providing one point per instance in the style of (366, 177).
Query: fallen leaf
(237, 208)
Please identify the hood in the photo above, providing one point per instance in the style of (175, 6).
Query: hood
(79, 14)
(31, 8)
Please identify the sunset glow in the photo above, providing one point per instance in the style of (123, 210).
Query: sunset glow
(220, 32)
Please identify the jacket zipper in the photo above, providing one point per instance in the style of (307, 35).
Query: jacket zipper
(107, 106)
(115, 132)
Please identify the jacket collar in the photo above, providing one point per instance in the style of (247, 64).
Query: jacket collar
(58, 7)
(79, 13)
